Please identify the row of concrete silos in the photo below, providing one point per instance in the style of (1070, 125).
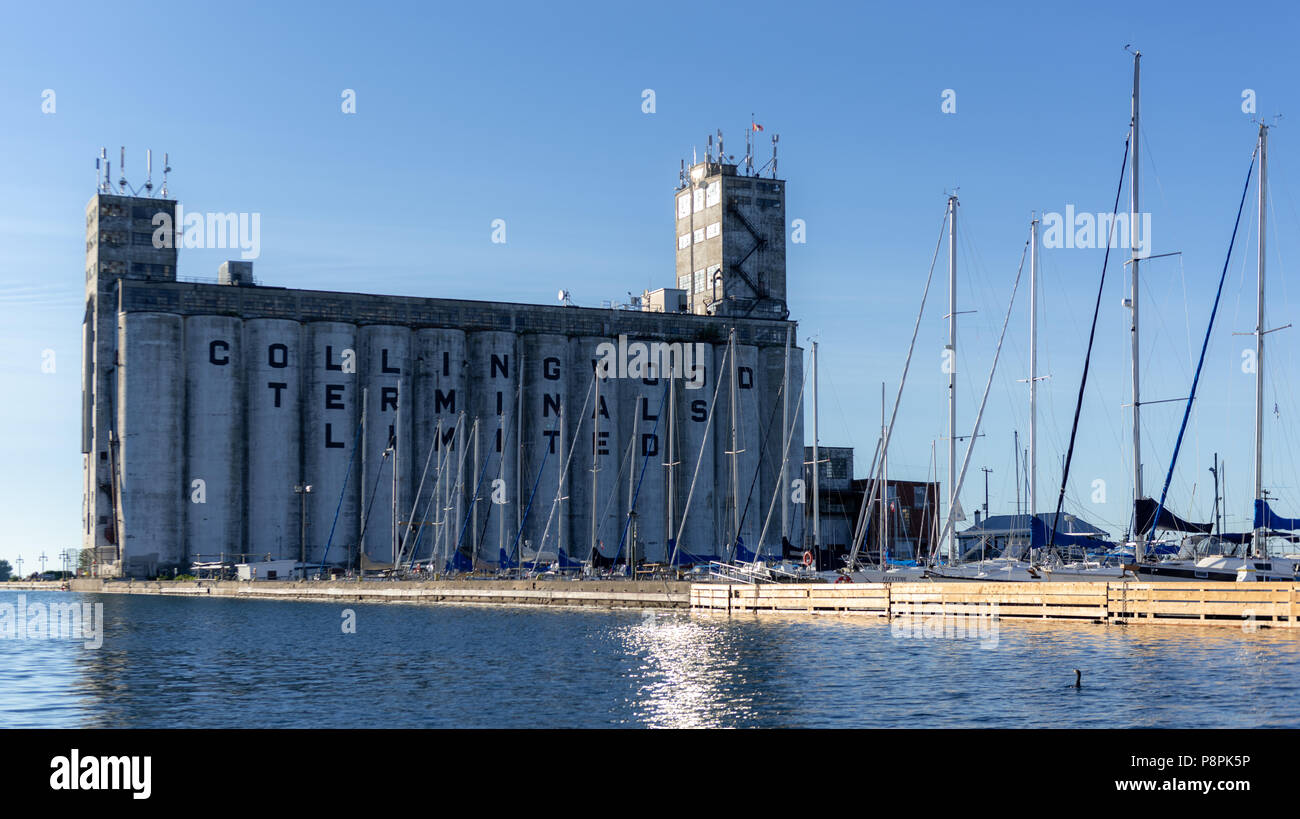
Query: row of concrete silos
(220, 419)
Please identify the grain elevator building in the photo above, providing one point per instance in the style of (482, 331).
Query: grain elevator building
(208, 408)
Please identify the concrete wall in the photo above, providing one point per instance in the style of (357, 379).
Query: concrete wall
(150, 406)
(233, 389)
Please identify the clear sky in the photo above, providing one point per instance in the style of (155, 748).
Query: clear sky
(532, 113)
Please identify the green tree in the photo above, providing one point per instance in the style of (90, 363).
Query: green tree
(5, 570)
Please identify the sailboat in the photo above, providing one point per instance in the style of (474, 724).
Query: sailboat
(998, 568)
(876, 494)
(1258, 565)
(1047, 562)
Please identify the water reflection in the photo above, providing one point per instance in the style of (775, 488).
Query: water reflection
(169, 662)
(688, 667)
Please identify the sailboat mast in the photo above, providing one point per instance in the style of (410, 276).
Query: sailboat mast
(559, 488)
(638, 409)
(1260, 532)
(816, 467)
(1015, 459)
(519, 450)
(952, 364)
(397, 436)
(671, 466)
(785, 441)
(1136, 152)
(595, 468)
(735, 453)
(934, 523)
(884, 480)
(1033, 368)
(475, 499)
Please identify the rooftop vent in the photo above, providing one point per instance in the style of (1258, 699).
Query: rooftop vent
(239, 274)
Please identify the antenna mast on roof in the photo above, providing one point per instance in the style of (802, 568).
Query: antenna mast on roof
(148, 179)
(775, 139)
(166, 169)
(749, 147)
(121, 169)
(101, 172)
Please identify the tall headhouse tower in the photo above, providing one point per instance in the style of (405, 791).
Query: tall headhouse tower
(120, 228)
(731, 239)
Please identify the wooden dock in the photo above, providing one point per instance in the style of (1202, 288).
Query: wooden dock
(1274, 605)
(1249, 605)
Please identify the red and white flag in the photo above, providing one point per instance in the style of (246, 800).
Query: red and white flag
(755, 126)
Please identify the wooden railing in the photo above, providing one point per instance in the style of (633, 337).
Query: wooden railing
(1263, 604)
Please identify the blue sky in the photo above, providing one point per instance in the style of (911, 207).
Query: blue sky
(532, 113)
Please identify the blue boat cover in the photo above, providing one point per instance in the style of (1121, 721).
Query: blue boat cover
(1144, 512)
(1039, 535)
(1266, 518)
(685, 558)
(460, 562)
(742, 554)
(566, 562)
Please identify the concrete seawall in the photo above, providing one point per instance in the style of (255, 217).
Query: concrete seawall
(607, 594)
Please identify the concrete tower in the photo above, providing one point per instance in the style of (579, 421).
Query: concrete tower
(731, 243)
(119, 245)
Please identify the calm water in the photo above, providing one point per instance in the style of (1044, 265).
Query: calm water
(168, 662)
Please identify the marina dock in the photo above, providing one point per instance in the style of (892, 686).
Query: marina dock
(1263, 605)
(1234, 604)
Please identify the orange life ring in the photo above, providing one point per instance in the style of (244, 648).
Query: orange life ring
(807, 558)
(844, 578)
